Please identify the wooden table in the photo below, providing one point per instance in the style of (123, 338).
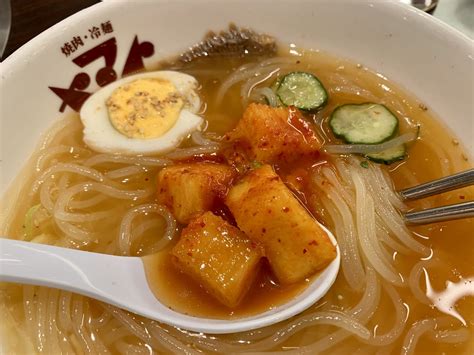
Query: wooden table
(31, 17)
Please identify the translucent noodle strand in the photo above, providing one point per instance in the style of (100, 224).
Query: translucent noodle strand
(401, 315)
(365, 217)
(125, 234)
(431, 325)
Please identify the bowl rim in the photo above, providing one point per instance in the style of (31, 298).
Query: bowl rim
(29, 46)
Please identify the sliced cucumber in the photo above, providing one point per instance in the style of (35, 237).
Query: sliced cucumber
(389, 156)
(367, 123)
(302, 90)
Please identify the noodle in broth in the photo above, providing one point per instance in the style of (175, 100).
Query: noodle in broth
(76, 198)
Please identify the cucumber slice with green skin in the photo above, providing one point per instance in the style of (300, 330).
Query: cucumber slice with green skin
(367, 123)
(389, 156)
(302, 90)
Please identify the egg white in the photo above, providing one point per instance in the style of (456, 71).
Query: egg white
(101, 135)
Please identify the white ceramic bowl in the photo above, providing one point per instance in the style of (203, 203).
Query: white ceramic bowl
(427, 57)
(430, 59)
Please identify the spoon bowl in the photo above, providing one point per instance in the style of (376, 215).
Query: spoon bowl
(121, 281)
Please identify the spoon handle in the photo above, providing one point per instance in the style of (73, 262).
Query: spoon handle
(89, 274)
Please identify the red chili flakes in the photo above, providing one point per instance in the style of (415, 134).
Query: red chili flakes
(286, 209)
(304, 251)
(462, 197)
(313, 242)
(190, 254)
(264, 230)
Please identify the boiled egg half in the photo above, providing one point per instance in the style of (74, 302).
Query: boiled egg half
(144, 114)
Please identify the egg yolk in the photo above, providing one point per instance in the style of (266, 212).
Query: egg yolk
(144, 108)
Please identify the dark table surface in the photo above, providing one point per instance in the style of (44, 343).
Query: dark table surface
(31, 17)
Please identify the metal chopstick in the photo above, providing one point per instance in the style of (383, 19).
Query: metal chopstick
(443, 213)
(440, 214)
(435, 187)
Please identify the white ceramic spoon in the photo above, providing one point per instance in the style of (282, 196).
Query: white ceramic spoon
(121, 281)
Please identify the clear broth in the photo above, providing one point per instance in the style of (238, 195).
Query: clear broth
(437, 153)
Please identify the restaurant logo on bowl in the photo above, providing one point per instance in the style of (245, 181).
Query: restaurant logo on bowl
(75, 94)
